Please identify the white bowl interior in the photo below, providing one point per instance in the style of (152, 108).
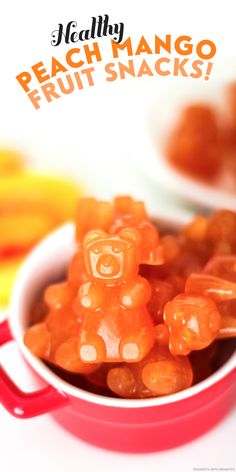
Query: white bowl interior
(46, 264)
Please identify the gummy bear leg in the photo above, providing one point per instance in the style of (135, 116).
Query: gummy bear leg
(92, 349)
(134, 348)
(38, 340)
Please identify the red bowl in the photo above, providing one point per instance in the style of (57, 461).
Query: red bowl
(113, 423)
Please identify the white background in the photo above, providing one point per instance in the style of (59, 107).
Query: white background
(90, 135)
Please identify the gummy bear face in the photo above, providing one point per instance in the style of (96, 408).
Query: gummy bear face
(106, 259)
(111, 259)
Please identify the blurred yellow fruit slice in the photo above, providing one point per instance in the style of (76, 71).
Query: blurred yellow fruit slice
(31, 206)
(57, 197)
(8, 271)
(11, 162)
(22, 230)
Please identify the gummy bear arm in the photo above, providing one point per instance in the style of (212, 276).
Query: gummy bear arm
(91, 296)
(135, 293)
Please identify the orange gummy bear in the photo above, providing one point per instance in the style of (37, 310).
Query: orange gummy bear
(92, 214)
(193, 322)
(170, 246)
(125, 212)
(162, 292)
(205, 284)
(223, 267)
(159, 373)
(222, 228)
(194, 146)
(56, 338)
(129, 213)
(232, 102)
(162, 334)
(77, 273)
(59, 295)
(116, 325)
(227, 310)
(134, 306)
(196, 230)
(98, 380)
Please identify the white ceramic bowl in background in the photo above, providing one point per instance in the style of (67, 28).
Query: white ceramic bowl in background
(153, 129)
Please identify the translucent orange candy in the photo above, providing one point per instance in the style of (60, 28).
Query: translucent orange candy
(125, 212)
(77, 273)
(227, 310)
(59, 295)
(56, 338)
(162, 292)
(129, 326)
(230, 128)
(218, 280)
(197, 230)
(222, 228)
(170, 246)
(193, 323)
(191, 256)
(162, 334)
(232, 100)
(223, 267)
(128, 212)
(215, 287)
(116, 325)
(98, 379)
(194, 146)
(159, 373)
(92, 214)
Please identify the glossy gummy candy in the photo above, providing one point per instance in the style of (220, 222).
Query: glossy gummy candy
(159, 373)
(56, 340)
(227, 311)
(162, 292)
(130, 213)
(193, 322)
(222, 228)
(116, 325)
(215, 287)
(139, 314)
(194, 145)
(223, 267)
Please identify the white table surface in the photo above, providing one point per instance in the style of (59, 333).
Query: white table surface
(40, 444)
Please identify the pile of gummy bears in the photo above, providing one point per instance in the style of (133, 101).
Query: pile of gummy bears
(204, 131)
(142, 309)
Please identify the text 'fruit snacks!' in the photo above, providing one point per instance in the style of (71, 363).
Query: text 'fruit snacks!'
(142, 310)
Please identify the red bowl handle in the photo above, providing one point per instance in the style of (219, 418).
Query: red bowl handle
(5, 333)
(22, 404)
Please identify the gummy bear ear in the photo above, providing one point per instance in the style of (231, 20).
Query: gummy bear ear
(131, 235)
(94, 235)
